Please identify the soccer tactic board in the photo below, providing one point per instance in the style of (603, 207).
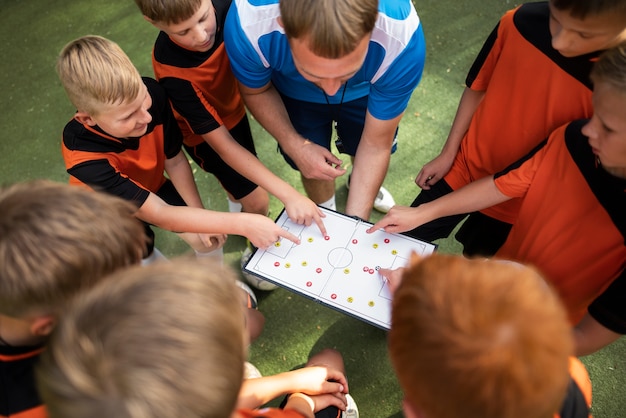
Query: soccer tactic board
(339, 270)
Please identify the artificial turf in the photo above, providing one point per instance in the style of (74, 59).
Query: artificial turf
(34, 110)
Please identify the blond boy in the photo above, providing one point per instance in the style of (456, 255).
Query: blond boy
(55, 241)
(181, 357)
(124, 137)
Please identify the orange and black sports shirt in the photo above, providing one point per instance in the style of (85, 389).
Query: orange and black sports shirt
(572, 221)
(130, 168)
(201, 86)
(18, 392)
(530, 90)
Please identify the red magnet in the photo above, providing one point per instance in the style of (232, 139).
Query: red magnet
(386, 240)
(326, 237)
(318, 270)
(276, 264)
(333, 296)
(309, 284)
(354, 241)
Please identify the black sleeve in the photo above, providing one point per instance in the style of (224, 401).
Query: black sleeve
(162, 113)
(609, 309)
(101, 176)
(481, 57)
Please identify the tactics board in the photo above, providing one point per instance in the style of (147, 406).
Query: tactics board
(338, 270)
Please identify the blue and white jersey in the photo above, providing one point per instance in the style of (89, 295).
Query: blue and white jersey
(259, 53)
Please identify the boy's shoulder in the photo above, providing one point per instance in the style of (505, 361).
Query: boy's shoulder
(18, 368)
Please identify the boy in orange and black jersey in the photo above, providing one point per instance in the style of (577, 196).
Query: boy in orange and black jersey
(531, 76)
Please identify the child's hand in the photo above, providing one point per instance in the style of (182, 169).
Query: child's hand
(213, 241)
(263, 232)
(398, 219)
(317, 380)
(434, 171)
(304, 211)
(392, 277)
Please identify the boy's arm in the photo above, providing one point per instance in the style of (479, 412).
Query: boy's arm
(300, 209)
(437, 168)
(179, 172)
(259, 229)
(590, 336)
(308, 380)
(475, 196)
(313, 161)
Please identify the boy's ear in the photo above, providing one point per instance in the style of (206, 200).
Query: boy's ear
(84, 118)
(43, 325)
(279, 20)
(148, 19)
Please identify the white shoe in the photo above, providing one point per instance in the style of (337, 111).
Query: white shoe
(250, 371)
(384, 200)
(251, 279)
(351, 409)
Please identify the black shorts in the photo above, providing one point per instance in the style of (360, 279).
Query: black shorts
(314, 121)
(210, 161)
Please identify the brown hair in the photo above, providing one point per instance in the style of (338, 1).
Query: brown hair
(333, 27)
(168, 11)
(478, 338)
(57, 239)
(94, 71)
(163, 340)
(584, 8)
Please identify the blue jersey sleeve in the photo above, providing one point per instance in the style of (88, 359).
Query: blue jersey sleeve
(245, 61)
(390, 94)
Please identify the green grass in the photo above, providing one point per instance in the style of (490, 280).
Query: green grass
(34, 110)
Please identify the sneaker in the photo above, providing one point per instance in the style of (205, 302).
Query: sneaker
(252, 302)
(384, 200)
(351, 409)
(250, 371)
(251, 279)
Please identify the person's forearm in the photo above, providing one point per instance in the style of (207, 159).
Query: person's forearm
(476, 196)
(370, 164)
(259, 391)
(246, 164)
(590, 336)
(269, 110)
(470, 99)
(191, 219)
(301, 403)
(368, 174)
(179, 172)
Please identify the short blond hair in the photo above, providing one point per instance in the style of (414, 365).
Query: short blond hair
(334, 27)
(165, 340)
(611, 68)
(94, 71)
(168, 11)
(57, 239)
(478, 338)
